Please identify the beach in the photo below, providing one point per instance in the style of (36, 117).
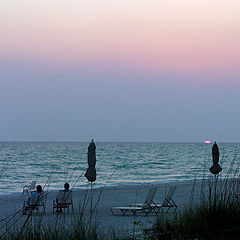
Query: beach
(102, 199)
(125, 173)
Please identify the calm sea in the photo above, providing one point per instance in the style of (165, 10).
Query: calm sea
(53, 163)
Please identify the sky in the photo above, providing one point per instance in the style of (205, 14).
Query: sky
(148, 70)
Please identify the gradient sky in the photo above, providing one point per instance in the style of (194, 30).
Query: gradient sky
(148, 70)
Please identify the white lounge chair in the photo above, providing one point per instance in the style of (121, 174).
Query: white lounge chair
(35, 201)
(64, 201)
(167, 203)
(30, 187)
(145, 208)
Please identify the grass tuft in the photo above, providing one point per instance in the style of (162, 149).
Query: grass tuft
(215, 217)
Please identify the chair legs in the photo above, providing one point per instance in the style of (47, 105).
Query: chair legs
(72, 208)
(60, 207)
(134, 212)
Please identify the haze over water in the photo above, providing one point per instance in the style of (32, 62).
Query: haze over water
(117, 163)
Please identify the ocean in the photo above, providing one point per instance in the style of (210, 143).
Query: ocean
(52, 164)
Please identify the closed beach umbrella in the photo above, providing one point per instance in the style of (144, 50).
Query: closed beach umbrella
(216, 168)
(215, 153)
(91, 171)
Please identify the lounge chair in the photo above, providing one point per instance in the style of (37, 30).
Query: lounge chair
(30, 187)
(167, 203)
(64, 201)
(145, 208)
(35, 201)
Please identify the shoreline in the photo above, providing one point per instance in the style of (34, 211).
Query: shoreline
(110, 186)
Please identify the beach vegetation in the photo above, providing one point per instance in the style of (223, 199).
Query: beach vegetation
(83, 226)
(80, 230)
(216, 216)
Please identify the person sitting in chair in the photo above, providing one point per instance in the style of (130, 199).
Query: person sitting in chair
(35, 199)
(36, 196)
(39, 189)
(66, 189)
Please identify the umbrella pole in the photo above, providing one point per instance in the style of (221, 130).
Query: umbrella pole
(91, 197)
(215, 190)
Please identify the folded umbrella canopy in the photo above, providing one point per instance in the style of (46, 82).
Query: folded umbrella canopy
(91, 171)
(216, 168)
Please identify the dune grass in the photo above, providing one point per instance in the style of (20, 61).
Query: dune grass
(215, 217)
(82, 226)
(77, 230)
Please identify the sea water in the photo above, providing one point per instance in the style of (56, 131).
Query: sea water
(52, 164)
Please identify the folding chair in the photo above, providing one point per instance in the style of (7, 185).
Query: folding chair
(30, 187)
(34, 202)
(64, 201)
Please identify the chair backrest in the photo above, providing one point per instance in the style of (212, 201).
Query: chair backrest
(33, 184)
(65, 197)
(150, 196)
(36, 198)
(169, 195)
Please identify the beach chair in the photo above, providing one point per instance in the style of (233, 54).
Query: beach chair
(35, 201)
(64, 201)
(167, 203)
(145, 208)
(30, 187)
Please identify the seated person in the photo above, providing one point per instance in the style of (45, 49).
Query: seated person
(36, 196)
(66, 187)
(66, 190)
(35, 199)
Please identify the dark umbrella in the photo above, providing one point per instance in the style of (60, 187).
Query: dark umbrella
(91, 171)
(216, 168)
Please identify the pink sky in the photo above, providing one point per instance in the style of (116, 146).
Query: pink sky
(127, 70)
(151, 36)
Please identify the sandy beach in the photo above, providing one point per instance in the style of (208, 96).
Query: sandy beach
(104, 199)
